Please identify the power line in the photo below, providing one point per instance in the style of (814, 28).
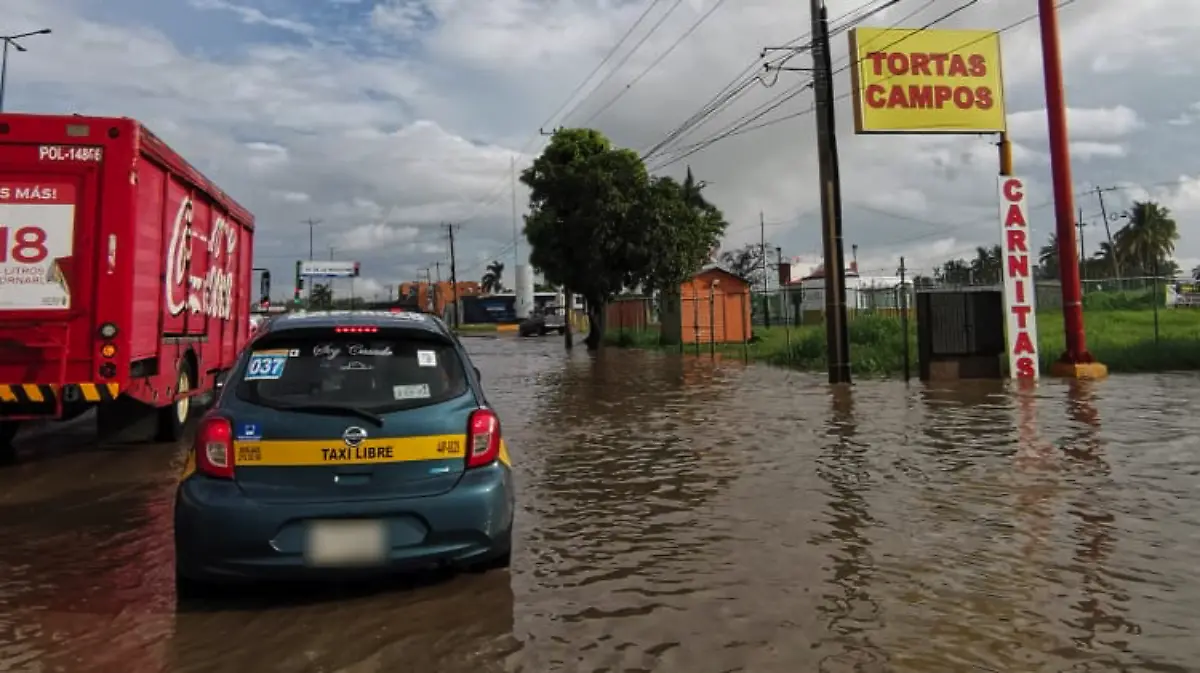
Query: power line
(629, 54)
(499, 190)
(607, 57)
(628, 87)
(740, 84)
(745, 127)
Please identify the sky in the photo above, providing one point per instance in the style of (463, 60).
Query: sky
(385, 119)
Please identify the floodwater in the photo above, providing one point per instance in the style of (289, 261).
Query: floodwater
(684, 515)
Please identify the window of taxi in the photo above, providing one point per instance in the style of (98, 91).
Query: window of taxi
(370, 372)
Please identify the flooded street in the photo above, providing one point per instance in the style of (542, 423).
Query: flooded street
(681, 515)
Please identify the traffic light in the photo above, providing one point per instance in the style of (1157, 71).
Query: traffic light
(356, 269)
(299, 281)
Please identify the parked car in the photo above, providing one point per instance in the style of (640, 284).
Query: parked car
(345, 443)
(549, 318)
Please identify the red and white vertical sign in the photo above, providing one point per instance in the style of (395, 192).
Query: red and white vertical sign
(1019, 290)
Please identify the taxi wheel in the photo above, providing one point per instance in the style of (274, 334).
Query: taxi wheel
(173, 419)
(187, 589)
(8, 433)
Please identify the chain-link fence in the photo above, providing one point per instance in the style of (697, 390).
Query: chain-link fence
(1132, 324)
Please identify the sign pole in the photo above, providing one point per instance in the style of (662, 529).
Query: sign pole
(836, 337)
(1076, 361)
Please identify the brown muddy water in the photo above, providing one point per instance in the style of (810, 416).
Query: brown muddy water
(690, 516)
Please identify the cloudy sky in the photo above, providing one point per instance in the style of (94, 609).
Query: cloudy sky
(385, 118)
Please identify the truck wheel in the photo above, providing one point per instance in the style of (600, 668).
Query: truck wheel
(173, 419)
(8, 433)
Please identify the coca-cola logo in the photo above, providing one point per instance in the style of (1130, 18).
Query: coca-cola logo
(206, 291)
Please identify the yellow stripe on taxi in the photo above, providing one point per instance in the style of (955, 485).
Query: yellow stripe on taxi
(297, 453)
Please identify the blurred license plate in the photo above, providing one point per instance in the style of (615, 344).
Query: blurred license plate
(346, 543)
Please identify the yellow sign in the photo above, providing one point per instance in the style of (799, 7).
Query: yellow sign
(927, 81)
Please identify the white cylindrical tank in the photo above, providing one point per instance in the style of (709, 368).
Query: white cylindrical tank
(524, 291)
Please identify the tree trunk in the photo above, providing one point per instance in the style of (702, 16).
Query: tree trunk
(568, 337)
(670, 317)
(597, 322)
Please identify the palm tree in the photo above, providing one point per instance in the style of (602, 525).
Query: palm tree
(491, 281)
(1148, 240)
(321, 296)
(987, 266)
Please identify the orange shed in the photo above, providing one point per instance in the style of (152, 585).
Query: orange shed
(714, 307)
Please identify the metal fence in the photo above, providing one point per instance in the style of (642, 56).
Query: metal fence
(1132, 324)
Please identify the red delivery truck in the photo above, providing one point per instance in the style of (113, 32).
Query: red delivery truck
(124, 277)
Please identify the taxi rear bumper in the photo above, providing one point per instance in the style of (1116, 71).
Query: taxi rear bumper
(221, 535)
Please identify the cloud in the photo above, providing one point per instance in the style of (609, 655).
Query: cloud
(254, 16)
(1086, 124)
(1188, 117)
(397, 116)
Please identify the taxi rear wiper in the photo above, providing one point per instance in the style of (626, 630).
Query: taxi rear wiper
(331, 409)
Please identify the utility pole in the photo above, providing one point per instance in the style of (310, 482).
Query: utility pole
(1116, 263)
(762, 253)
(331, 251)
(312, 224)
(1080, 224)
(836, 336)
(516, 247)
(11, 41)
(1076, 360)
(453, 276)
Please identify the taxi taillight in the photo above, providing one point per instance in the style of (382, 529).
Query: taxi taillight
(483, 438)
(214, 448)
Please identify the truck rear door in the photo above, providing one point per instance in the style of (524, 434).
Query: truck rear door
(48, 226)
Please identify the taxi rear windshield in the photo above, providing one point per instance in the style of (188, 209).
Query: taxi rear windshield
(365, 371)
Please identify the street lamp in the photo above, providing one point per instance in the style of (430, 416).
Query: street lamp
(11, 41)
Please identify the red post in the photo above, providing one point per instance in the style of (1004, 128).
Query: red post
(1064, 198)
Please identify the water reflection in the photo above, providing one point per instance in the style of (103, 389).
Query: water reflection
(847, 608)
(433, 623)
(1102, 621)
(684, 515)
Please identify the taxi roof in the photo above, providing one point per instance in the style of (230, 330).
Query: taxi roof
(381, 319)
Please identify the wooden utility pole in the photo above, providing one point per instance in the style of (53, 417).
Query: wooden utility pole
(762, 253)
(453, 277)
(1112, 246)
(836, 335)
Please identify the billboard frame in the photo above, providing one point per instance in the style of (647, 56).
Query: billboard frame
(904, 34)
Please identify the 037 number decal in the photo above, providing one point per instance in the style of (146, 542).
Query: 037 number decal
(265, 368)
(24, 245)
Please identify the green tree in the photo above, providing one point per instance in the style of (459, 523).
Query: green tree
(1048, 259)
(492, 280)
(320, 296)
(1147, 242)
(987, 267)
(681, 229)
(747, 262)
(582, 226)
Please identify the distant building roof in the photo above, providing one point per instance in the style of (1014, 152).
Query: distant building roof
(717, 266)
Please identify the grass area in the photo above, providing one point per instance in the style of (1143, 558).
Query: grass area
(1122, 339)
(477, 327)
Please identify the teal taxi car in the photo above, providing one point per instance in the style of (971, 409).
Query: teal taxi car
(345, 443)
